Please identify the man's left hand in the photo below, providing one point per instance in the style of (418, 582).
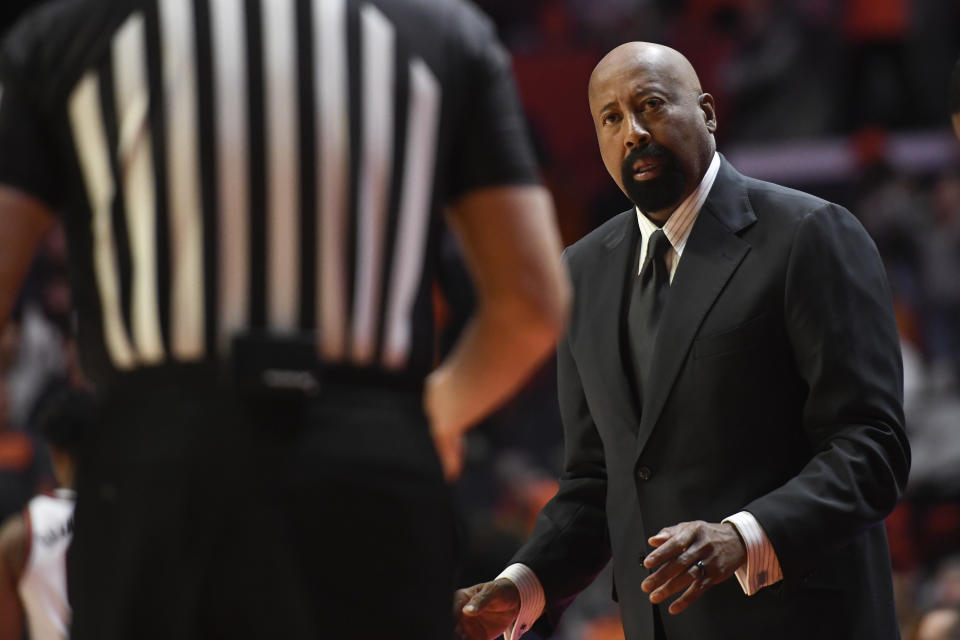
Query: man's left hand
(692, 555)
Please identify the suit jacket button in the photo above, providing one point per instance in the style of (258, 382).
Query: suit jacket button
(644, 473)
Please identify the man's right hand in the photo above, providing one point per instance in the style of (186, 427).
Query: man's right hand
(484, 611)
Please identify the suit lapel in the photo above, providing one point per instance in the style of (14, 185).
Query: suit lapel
(607, 282)
(711, 256)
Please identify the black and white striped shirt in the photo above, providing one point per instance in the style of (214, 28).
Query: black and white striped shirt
(268, 165)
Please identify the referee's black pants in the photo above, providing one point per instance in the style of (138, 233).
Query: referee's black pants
(205, 514)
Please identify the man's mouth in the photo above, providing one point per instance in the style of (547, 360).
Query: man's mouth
(646, 168)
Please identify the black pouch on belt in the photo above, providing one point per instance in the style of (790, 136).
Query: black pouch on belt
(275, 366)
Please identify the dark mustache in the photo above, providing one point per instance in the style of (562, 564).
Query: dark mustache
(650, 151)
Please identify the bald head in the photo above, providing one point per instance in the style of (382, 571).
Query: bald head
(654, 124)
(667, 63)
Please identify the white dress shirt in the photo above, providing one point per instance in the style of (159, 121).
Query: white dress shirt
(762, 567)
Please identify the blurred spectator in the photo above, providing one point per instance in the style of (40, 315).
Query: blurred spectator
(932, 425)
(610, 22)
(24, 467)
(551, 69)
(896, 218)
(940, 624)
(34, 543)
(778, 87)
(878, 81)
(945, 585)
(38, 350)
(34, 352)
(941, 274)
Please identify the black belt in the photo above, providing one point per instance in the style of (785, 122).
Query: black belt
(271, 367)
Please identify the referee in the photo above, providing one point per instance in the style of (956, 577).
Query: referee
(252, 191)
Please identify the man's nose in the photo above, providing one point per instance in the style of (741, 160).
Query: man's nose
(637, 134)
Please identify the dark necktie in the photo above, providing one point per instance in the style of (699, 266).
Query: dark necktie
(646, 303)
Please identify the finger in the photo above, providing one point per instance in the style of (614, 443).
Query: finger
(451, 456)
(661, 536)
(679, 542)
(696, 589)
(679, 580)
(451, 468)
(671, 569)
(480, 599)
(460, 598)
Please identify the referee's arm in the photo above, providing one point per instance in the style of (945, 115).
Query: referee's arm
(513, 251)
(24, 221)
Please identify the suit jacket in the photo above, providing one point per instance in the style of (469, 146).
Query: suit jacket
(775, 387)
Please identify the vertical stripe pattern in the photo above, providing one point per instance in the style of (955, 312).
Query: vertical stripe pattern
(280, 63)
(330, 51)
(91, 142)
(232, 149)
(186, 229)
(135, 157)
(377, 38)
(229, 205)
(423, 116)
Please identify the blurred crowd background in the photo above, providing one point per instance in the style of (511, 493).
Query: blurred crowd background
(846, 99)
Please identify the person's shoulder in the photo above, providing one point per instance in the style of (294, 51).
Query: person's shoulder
(455, 38)
(461, 17)
(35, 27)
(794, 210)
(468, 32)
(54, 39)
(458, 20)
(784, 200)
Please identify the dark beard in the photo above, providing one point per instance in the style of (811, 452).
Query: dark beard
(659, 193)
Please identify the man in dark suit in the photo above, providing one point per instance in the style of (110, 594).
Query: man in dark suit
(731, 397)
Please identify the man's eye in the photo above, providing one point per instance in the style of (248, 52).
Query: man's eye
(611, 118)
(653, 103)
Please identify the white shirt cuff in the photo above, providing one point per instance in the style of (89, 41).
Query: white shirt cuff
(762, 567)
(532, 599)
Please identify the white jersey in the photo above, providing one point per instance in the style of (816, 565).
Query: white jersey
(43, 585)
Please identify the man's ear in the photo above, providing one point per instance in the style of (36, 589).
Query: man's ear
(709, 109)
(955, 119)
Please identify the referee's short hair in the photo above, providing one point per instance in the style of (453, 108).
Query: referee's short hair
(66, 419)
(955, 89)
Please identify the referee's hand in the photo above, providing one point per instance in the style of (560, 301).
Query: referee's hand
(449, 444)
